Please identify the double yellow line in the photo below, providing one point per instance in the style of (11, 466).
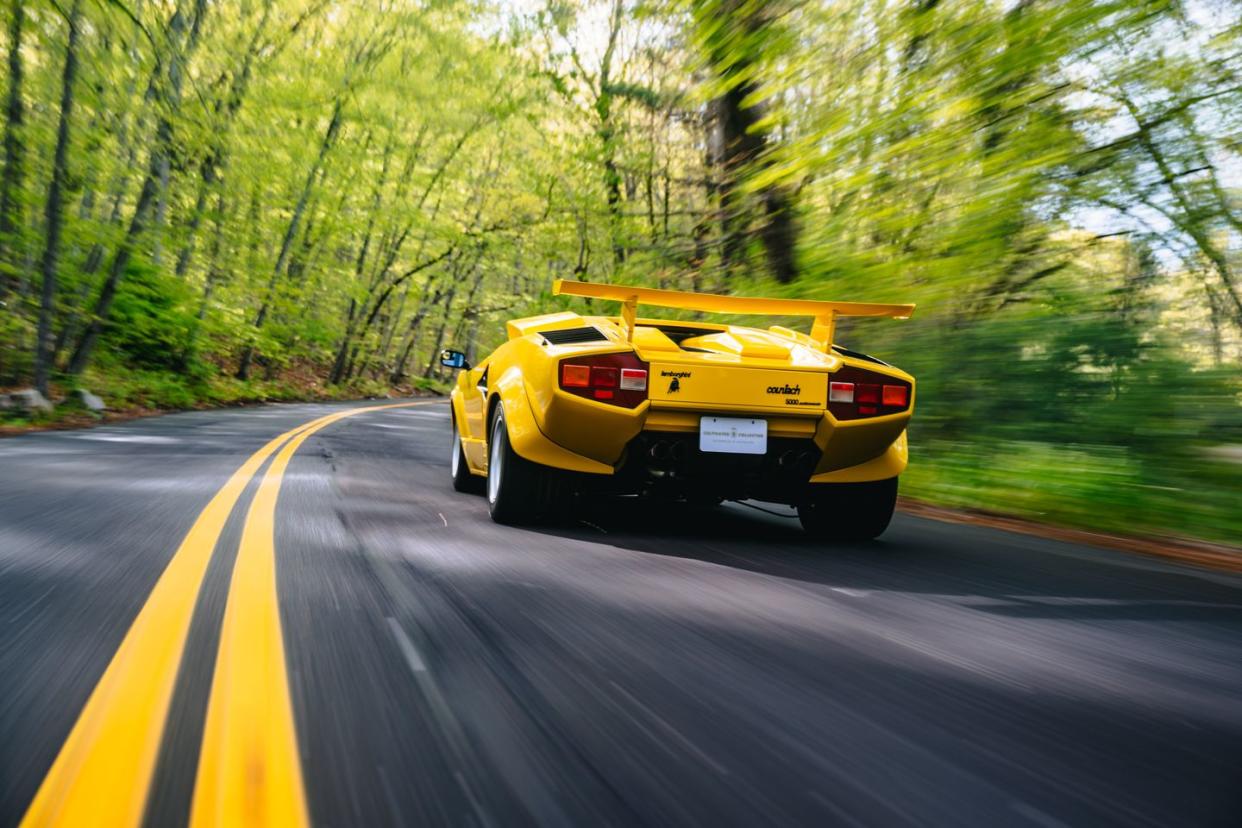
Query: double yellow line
(248, 770)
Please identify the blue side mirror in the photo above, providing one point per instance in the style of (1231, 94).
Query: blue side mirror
(453, 359)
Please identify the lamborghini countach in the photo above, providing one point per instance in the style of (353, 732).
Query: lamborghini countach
(573, 405)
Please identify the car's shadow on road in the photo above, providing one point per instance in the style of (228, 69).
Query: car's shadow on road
(995, 571)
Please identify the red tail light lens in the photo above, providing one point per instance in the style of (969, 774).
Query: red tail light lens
(616, 379)
(604, 377)
(575, 376)
(856, 393)
(897, 395)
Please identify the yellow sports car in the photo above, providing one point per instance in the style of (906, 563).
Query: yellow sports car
(677, 409)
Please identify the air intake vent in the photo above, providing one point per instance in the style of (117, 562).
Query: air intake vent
(574, 336)
(856, 355)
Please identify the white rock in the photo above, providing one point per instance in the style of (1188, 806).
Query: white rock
(89, 401)
(28, 399)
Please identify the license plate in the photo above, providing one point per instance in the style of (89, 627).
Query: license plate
(733, 435)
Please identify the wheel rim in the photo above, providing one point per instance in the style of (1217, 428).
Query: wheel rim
(494, 465)
(455, 461)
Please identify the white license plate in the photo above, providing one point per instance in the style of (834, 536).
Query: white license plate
(733, 435)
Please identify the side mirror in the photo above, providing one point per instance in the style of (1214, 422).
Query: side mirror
(454, 359)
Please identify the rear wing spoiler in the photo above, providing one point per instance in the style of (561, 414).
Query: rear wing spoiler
(825, 314)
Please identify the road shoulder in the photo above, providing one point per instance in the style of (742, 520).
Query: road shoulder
(1196, 553)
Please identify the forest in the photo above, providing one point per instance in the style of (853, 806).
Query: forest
(212, 201)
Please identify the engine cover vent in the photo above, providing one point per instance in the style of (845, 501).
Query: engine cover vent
(857, 355)
(574, 336)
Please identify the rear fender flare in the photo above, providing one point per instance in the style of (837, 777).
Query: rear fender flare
(455, 408)
(889, 464)
(525, 437)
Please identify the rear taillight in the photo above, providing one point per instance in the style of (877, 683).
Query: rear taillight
(634, 379)
(616, 379)
(854, 393)
(575, 376)
(896, 395)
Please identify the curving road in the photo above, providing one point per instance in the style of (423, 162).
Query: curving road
(348, 641)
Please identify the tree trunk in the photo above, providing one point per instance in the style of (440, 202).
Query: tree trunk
(14, 156)
(438, 342)
(286, 245)
(160, 152)
(732, 48)
(56, 207)
(216, 158)
(606, 130)
(337, 373)
(414, 332)
(390, 330)
(209, 284)
(196, 220)
(120, 261)
(176, 73)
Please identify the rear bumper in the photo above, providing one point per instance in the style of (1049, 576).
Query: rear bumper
(671, 461)
(889, 464)
(608, 440)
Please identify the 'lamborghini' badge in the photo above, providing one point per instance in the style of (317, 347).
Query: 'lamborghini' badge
(675, 385)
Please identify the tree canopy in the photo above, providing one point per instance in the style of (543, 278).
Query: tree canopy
(213, 199)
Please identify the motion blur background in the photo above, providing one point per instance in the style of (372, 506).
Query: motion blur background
(206, 202)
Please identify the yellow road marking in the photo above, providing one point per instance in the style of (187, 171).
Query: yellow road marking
(249, 772)
(102, 774)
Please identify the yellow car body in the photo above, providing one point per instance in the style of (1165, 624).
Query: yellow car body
(701, 379)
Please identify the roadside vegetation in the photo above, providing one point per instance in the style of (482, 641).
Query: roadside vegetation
(205, 202)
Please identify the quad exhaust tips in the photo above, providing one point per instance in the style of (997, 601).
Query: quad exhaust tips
(668, 450)
(679, 450)
(795, 459)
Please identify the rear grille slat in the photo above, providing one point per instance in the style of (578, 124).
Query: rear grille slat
(574, 336)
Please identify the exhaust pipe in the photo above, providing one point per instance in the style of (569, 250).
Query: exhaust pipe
(679, 450)
(658, 450)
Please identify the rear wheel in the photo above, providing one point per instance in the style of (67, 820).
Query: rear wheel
(518, 491)
(463, 480)
(848, 511)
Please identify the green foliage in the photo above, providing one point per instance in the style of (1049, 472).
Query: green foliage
(1091, 485)
(337, 190)
(149, 326)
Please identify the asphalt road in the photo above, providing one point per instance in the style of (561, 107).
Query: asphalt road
(623, 666)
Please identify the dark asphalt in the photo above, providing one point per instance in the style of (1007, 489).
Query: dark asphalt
(625, 665)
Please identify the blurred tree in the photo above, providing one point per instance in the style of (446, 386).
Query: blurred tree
(11, 178)
(738, 38)
(305, 193)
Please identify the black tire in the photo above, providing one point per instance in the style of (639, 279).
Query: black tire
(848, 511)
(463, 480)
(518, 491)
